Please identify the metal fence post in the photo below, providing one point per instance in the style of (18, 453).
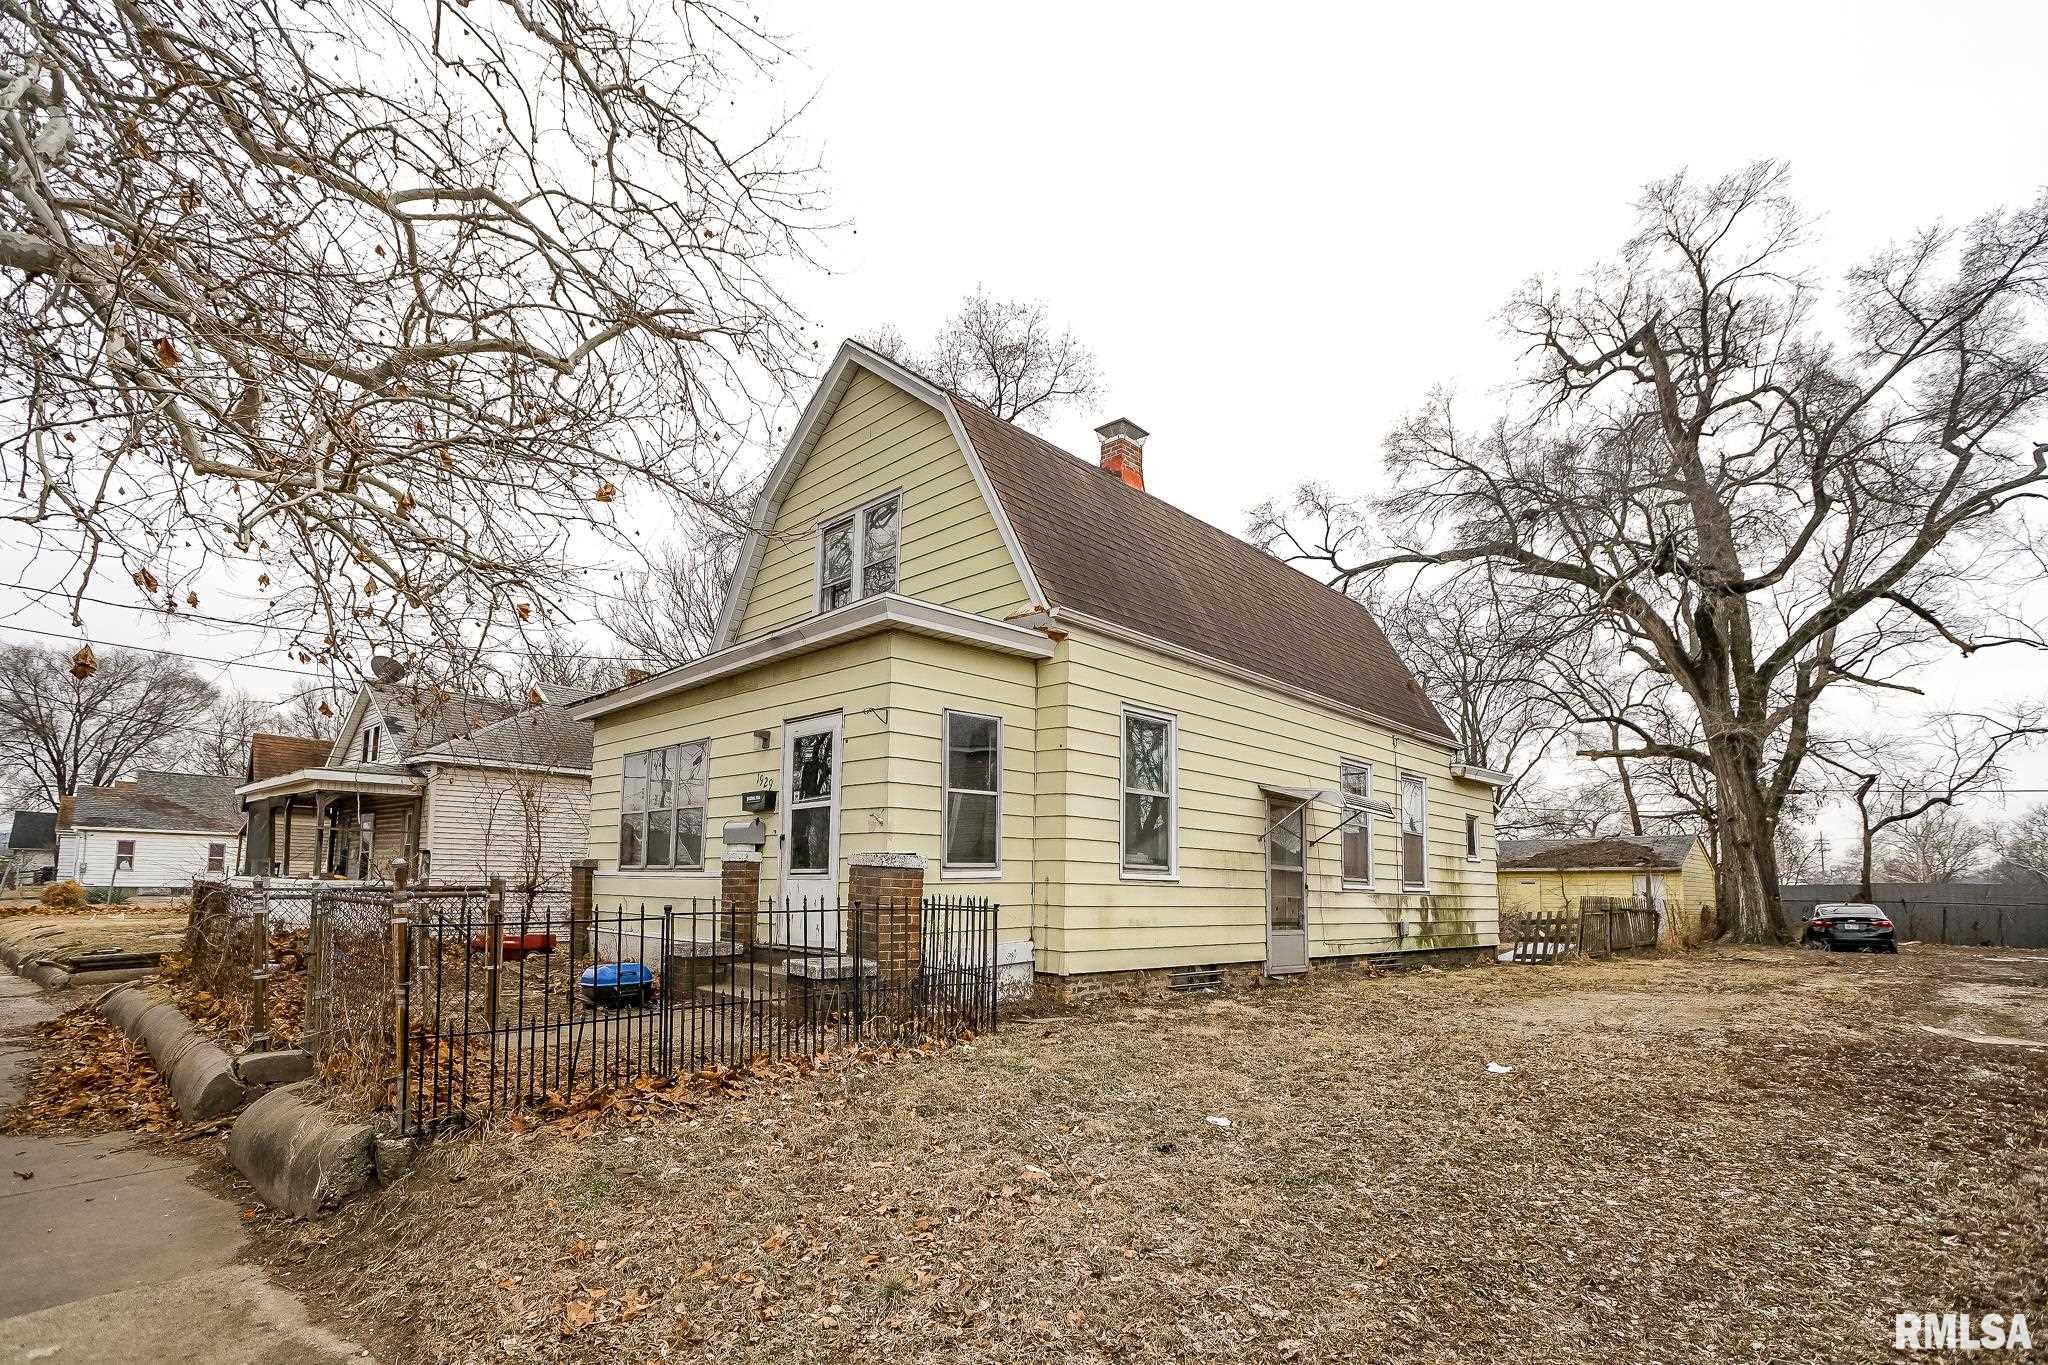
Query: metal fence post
(401, 985)
(494, 956)
(259, 973)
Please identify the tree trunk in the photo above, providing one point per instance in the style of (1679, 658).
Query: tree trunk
(1748, 875)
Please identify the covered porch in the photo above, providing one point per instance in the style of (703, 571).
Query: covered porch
(345, 823)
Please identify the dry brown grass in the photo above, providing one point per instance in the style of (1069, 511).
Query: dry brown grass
(1727, 1156)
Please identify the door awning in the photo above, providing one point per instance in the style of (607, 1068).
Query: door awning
(1321, 796)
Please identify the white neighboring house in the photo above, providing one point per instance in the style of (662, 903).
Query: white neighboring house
(470, 787)
(156, 832)
(31, 848)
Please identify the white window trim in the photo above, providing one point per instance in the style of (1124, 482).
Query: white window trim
(1344, 810)
(671, 868)
(1473, 842)
(967, 872)
(1401, 835)
(1171, 872)
(858, 516)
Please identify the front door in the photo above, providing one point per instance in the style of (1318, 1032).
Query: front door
(1286, 890)
(810, 835)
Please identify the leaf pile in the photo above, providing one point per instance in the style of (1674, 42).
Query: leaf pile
(89, 1078)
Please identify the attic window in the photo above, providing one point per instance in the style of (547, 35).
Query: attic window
(857, 554)
(372, 743)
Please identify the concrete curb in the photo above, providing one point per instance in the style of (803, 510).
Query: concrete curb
(301, 1160)
(201, 1073)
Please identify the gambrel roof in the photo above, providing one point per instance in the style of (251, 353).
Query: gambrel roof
(1095, 551)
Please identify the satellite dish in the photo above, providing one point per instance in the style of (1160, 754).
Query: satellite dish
(387, 669)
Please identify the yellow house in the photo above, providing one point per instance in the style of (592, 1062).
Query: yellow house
(953, 650)
(1666, 871)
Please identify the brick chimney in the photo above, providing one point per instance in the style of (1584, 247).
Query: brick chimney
(1123, 450)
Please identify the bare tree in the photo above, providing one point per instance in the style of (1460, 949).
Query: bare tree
(1751, 500)
(381, 309)
(1488, 662)
(313, 711)
(1006, 355)
(2022, 844)
(219, 743)
(1903, 778)
(668, 614)
(1945, 846)
(60, 731)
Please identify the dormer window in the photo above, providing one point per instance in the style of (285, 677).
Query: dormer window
(857, 554)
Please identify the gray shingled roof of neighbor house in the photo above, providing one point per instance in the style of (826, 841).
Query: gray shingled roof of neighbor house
(544, 736)
(420, 717)
(1649, 851)
(175, 802)
(33, 830)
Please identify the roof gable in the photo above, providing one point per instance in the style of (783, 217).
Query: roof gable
(811, 430)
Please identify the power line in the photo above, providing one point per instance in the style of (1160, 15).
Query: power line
(173, 654)
(288, 631)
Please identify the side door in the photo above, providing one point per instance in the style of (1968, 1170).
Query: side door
(1286, 889)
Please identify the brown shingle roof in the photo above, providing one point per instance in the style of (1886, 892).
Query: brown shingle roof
(275, 755)
(1649, 851)
(1105, 549)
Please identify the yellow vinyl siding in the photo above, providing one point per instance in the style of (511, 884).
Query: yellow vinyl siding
(1231, 736)
(1695, 881)
(879, 440)
(852, 678)
(1526, 890)
(890, 690)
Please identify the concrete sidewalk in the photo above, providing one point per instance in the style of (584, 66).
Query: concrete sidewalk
(110, 1253)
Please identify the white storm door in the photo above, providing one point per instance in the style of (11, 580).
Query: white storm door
(802, 915)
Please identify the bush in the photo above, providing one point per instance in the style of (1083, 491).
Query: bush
(67, 895)
(110, 895)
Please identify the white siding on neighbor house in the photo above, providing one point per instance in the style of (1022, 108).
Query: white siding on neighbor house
(161, 859)
(523, 826)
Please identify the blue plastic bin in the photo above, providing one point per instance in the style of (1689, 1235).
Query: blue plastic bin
(617, 983)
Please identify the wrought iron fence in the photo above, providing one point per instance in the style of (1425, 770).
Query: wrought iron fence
(502, 1004)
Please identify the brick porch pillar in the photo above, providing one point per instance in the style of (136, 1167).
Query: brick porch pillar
(582, 906)
(885, 896)
(739, 893)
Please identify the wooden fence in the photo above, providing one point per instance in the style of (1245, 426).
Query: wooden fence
(1593, 926)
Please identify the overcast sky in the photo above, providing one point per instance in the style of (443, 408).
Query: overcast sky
(1279, 226)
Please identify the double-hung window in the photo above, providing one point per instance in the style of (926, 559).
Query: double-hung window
(973, 780)
(857, 553)
(1355, 780)
(124, 855)
(1149, 761)
(661, 807)
(216, 857)
(1414, 822)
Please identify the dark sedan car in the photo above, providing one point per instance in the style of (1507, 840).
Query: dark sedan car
(1850, 928)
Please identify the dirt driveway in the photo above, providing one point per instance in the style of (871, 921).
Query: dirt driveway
(1734, 1155)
